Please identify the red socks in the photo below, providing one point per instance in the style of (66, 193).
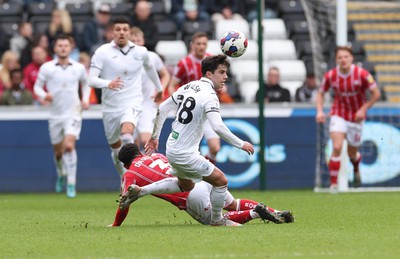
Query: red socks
(334, 167)
(244, 204)
(239, 216)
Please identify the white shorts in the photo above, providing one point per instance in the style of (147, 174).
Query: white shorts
(190, 166)
(199, 205)
(147, 117)
(353, 130)
(112, 122)
(60, 127)
(209, 133)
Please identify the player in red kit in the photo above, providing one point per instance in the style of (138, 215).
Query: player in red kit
(144, 170)
(349, 109)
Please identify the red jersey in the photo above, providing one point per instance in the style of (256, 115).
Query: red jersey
(30, 74)
(350, 90)
(149, 169)
(188, 69)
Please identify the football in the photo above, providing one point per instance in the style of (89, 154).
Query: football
(234, 44)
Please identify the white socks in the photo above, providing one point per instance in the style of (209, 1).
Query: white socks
(126, 138)
(118, 165)
(217, 198)
(70, 160)
(167, 185)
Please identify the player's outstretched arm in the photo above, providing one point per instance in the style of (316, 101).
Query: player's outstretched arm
(151, 146)
(222, 130)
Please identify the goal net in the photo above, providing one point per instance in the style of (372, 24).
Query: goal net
(373, 31)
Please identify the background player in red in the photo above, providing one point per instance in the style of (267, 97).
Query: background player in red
(187, 70)
(349, 109)
(144, 170)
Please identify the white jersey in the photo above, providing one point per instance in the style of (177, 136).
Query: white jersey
(63, 83)
(126, 63)
(194, 100)
(149, 89)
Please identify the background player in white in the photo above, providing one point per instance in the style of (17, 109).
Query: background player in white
(116, 68)
(148, 114)
(195, 103)
(62, 77)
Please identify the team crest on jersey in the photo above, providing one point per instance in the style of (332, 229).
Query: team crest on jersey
(370, 79)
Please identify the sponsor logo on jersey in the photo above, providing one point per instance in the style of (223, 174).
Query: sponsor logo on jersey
(174, 134)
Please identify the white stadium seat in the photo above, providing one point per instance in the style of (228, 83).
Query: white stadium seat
(223, 26)
(291, 86)
(245, 70)
(248, 91)
(290, 70)
(279, 50)
(214, 47)
(251, 51)
(171, 50)
(273, 29)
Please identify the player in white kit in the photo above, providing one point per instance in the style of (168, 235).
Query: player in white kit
(116, 67)
(194, 103)
(147, 116)
(62, 77)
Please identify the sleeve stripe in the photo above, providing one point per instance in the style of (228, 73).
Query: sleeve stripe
(212, 111)
(173, 99)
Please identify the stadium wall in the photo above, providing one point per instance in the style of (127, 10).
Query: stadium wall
(26, 163)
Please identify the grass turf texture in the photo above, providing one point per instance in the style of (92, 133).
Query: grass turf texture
(352, 225)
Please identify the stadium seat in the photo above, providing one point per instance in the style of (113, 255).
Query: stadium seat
(166, 29)
(303, 48)
(40, 23)
(297, 27)
(159, 10)
(224, 26)
(40, 9)
(248, 91)
(251, 51)
(214, 47)
(245, 70)
(9, 28)
(272, 29)
(79, 9)
(121, 9)
(172, 51)
(291, 86)
(11, 12)
(290, 9)
(290, 70)
(279, 50)
(191, 27)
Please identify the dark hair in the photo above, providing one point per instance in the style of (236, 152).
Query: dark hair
(346, 48)
(120, 20)
(211, 63)
(62, 37)
(127, 153)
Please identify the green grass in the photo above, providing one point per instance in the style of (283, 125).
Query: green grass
(353, 225)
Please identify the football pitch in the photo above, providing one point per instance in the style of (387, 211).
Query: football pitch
(351, 225)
